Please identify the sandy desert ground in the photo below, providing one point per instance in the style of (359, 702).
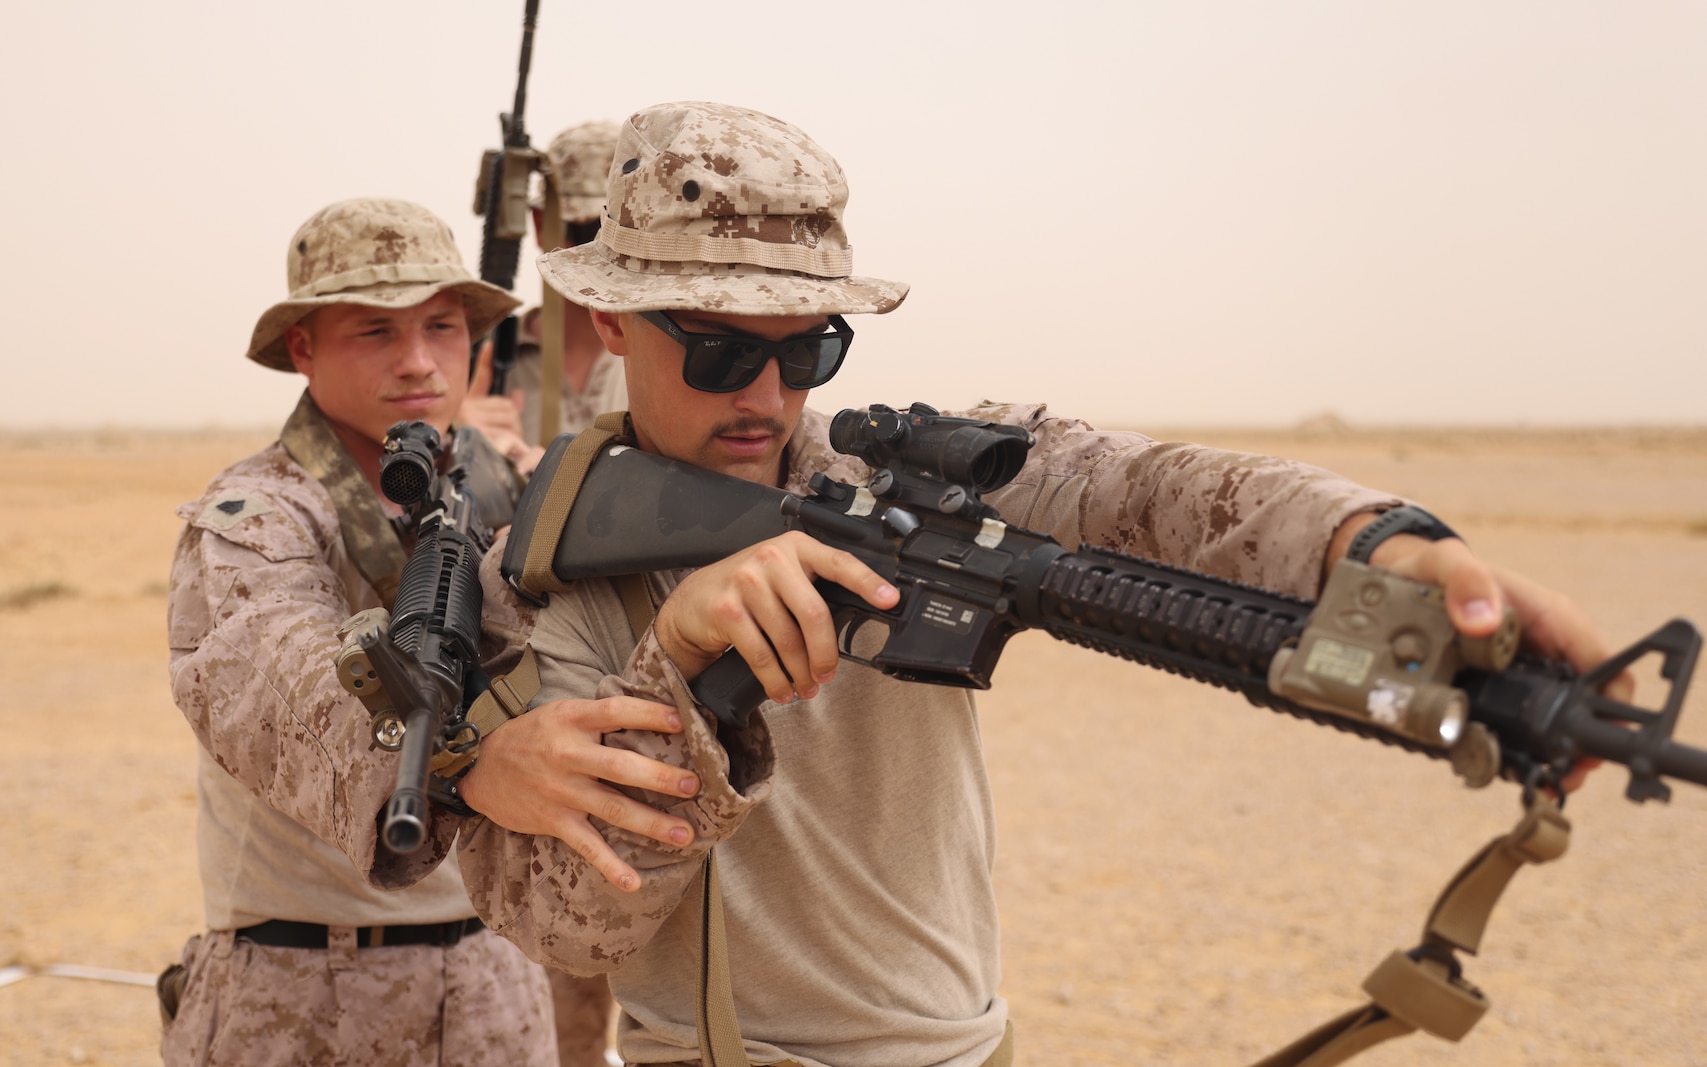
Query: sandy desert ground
(1184, 879)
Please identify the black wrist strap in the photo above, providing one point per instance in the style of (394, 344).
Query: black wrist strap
(1407, 519)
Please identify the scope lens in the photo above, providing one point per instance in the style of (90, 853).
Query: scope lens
(405, 477)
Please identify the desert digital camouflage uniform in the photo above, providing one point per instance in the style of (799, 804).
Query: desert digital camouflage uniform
(280, 550)
(861, 915)
(855, 830)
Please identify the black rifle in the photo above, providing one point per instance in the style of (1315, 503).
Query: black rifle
(418, 669)
(968, 582)
(501, 199)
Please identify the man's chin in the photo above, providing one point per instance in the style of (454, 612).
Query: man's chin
(760, 468)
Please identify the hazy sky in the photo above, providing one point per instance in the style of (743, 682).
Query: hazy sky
(1145, 213)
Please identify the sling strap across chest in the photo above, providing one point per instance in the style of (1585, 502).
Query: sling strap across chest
(369, 537)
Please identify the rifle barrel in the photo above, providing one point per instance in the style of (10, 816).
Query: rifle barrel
(405, 828)
(516, 135)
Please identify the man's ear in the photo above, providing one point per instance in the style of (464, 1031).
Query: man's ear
(301, 349)
(612, 330)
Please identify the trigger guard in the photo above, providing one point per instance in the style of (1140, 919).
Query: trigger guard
(849, 629)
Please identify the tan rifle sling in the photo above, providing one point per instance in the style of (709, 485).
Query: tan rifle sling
(1418, 990)
(511, 694)
(508, 696)
(369, 536)
(714, 994)
(1423, 989)
(612, 426)
(550, 322)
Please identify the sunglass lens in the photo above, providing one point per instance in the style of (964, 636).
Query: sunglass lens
(810, 361)
(743, 364)
(723, 366)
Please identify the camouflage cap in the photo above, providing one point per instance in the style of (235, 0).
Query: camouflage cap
(718, 208)
(377, 253)
(579, 159)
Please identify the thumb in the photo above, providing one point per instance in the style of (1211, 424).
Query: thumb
(1473, 599)
(481, 382)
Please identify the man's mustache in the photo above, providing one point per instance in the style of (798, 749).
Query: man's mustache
(434, 391)
(748, 428)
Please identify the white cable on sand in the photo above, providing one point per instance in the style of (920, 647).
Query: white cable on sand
(19, 972)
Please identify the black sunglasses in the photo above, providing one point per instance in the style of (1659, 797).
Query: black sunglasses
(728, 362)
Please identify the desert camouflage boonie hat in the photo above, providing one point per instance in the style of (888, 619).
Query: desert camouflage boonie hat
(377, 253)
(718, 208)
(579, 159)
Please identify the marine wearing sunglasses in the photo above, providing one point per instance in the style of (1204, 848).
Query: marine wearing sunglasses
(729, 362)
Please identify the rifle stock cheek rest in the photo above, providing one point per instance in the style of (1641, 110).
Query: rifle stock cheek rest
(597, 508)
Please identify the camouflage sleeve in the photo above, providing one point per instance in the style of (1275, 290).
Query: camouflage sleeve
(541, 894)
(506, 620)
(1259, 520)
(253, 616)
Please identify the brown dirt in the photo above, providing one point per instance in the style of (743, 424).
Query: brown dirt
(1184, 879)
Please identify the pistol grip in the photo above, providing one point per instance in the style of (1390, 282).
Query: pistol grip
(729, 690)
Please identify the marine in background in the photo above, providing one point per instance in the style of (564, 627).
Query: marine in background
(575, 168)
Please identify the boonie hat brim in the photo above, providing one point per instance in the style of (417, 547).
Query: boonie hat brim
(486, 305)
(594, 277)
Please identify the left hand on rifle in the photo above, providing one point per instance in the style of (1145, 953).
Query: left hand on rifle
(546, 771)
(1476, 594)
(761, 602)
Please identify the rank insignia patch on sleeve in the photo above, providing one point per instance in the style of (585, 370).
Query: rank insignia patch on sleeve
(230, 508)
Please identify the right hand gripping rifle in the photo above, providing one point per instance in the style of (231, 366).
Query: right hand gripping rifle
(1377, 656)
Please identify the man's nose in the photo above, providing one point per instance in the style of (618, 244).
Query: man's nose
(415, 356)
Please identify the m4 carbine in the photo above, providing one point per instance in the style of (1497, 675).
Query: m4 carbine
(417, 668)
(1377, 656)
